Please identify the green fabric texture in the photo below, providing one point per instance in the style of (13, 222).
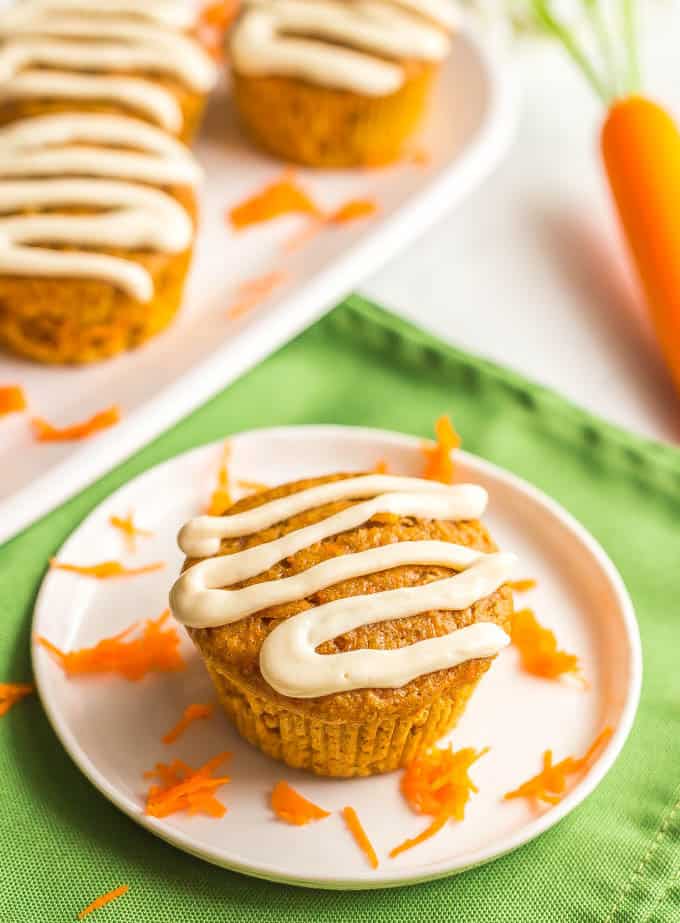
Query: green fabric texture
(616, 859)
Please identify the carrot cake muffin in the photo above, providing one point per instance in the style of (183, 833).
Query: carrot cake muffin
(335, 83)
(346, 620)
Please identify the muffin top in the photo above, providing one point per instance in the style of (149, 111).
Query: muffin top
(385, 524)
(361, 46)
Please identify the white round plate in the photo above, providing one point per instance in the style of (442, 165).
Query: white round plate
(112, 728)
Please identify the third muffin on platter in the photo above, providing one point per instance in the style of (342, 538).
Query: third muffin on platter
(331, 83)
(346, 620)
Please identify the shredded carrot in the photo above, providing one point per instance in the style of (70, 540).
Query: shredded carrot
(290, 806)
(45, 432)
(354, 824)
(106, 569)
(538, 648)
(220, 499)
(12, 399)
(130, 531)
(213, 21)
(282, 197)
(522, 586)
(255, 486)
(254, 291)
(428, 832)
(185, 789)
(103, 900)
(11, 693)
(550, 784)
(437, 782)
(381, 466)
(155, 649)
(438, 461)
(352, 211)
(191, 713)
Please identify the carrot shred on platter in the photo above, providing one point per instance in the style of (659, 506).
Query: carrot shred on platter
(155, 649)
(538, 648)
(282, 197)
(11, 693)
(438, 460)
(254, 486)
(131, 532)
(352, 210)
(46, 432)
(193, 712)
(291, 807)
(550, 784)
(381, 467)
(354, 824)
(105, 570)
(522, 586)
(428, 832)
(220, 499)
(102, 900)
(12, 399)
(253, 292)
(182, 788)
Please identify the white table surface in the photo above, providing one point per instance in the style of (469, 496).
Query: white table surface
(530, 271)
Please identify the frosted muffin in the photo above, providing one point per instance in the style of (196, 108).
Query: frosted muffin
(345, 621)
(330, 83)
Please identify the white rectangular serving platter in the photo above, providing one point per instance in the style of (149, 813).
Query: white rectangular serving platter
(468, 129)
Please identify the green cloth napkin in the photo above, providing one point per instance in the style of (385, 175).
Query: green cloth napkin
(615, 859)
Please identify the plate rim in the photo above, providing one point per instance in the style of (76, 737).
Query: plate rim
(368, 880)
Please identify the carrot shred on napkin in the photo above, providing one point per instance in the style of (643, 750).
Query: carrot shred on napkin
(46, 432)
(291, 807)
(12, 399)
(428, 832)
(131, 532)
(220, 499)
(538, 648)
(438, 461)
(522, 586)
(11, 693)
(282, 197)
(103, 900)
(105, 570)
(254, 291)
(182, 788)
(354, 824)
(155, 649)
(550, 784)
(190, 714)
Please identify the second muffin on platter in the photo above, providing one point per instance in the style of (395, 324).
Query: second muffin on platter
(345, 621)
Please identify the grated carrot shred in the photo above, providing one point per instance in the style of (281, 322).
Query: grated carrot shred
(190, 714)
(538, 648)
(282, 197)
(352, 210)
(522, 586)
(11, 693)
(46, 432)
(351, 818)
(220, 499)
(130, 531)
(550, 784)
(12, 399)
(182, 788)
(105, 570)
(437, 782)
(255, 486)
(103, 900)
(213, 21)
(291, 807)
(381, 467)
(428, 832)
(438, 460)
(155, 649)
(253, 292)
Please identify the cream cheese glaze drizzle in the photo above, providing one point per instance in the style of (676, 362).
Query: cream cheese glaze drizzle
(288, 659)
(353, 46)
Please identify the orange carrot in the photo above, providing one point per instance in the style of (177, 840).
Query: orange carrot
(155, 649)
(438, 782)
(103, 900)
(352, 210)
(46, 432)
(254, 291)
(11, 693)
(380, 466)
(220, 499)
(105, 570)
(282, 197)
(522, 586)
(428, 832)
(538, 648)
(12, 399)
(130, 531)
(254, 486)
(354, 824)
(182, 788)
(213, 21)
(438, 461)
(190, 714)
(291, 807)
(550, 784)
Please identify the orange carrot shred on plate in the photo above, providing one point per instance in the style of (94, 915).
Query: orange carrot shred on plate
(126, 524)
(154, 649)
(550, 784)
(46, 432)
(253, 292)
(103, 900)
(438, 460)
(522, 586)
(254, 486)
(537, 647)
(12, 399)
(220, 499)
(213, 21)
(291, 807)
(381, 467)
(428, 832)
(105, 570)
(282, 197)
(438, 782)
(182, 788)
(191, 713)
(11, 693)
(352, 210)
(354, 824)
